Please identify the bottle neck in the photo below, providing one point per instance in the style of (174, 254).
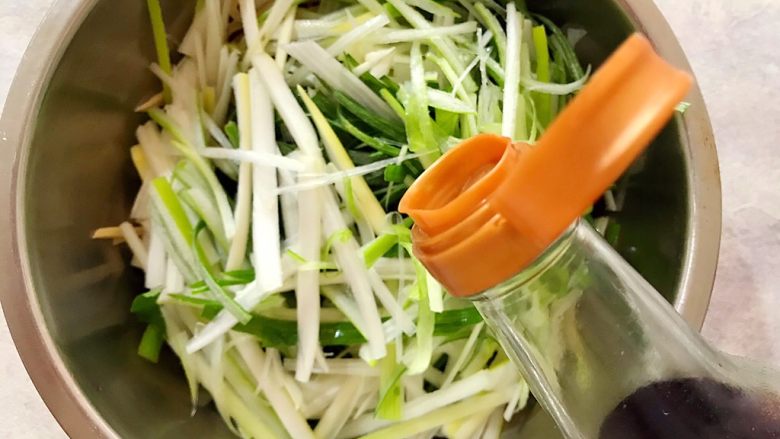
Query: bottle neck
(587, 331)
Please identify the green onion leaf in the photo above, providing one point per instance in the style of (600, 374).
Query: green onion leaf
(160, 42)
(231, 131)
(394, 174)
(379, 144)
(542, 100)
(151, 343)
(218, 293)
(391, 394)
(391, 129)
(146, 309)
(282, 334)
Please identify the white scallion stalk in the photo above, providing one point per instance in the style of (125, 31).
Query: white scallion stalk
(253, 417)
(390, 303)
(435, 294)
(292, 114)
(446, 101)
(263, 160)
(483, 53)
(373, 6)
(214, 356)
(414, 386)
(410, 35)
(141, 164)
(176, 244)
(228, 8)
(243, 211)
(181, 144)
(464, 75)
(382, 68)
(307, 290)
(392, 332)
(372, 59)
(494, 425)
(519, 398)
(276, 311)
(173, 279)
(357, 34)
(187, 43)
(436, 418)
(289, 384)
(215, 132)
(340, 366)
(369, 399)
(555, 89)
(313, 29)
(154, 101)
(221, 72)
(328, 178)
(493, 379)
(157, 156)
(332, 72)
(224, 321)
(371, 209)
(319, 397)
(338, 412)
(266, 236)
(249, 21)
(472, 425)
(457, 86)
(285, 36)
(198, 200)
(214, 38)
(224, 92)
(434, 8)
(348, 306)
(418, 359)
(136, 245)
(291, 418)
(315, 26)
(609, 201)
(600, 224)
(347, 255)
(156, 265)
(494, 27)
(276, 14)
(289, 207)
(463, 355)
(113, 233)
(512, 69)
(442, 44)
(240, 380)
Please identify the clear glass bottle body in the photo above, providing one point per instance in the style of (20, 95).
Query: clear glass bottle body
(588, 331)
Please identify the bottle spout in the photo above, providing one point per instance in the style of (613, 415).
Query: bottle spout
(489, 206)
(456, 185)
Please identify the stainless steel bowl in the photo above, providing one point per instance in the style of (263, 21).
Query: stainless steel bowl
(65, 170)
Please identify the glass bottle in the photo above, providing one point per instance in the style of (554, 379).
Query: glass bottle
(608, 357)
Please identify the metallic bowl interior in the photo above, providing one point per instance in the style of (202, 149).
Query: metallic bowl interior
(65, 170)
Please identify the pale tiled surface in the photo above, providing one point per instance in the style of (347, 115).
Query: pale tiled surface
(733, 47)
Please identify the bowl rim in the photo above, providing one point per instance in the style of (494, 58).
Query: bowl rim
(39, 352)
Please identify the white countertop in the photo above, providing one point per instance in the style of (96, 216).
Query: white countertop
(733, 47)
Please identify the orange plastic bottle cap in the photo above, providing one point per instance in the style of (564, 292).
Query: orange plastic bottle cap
(489, 207)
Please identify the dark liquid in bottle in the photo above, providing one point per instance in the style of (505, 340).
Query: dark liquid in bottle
(693, 408)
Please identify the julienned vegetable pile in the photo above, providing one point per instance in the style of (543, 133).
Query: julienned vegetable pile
(277, 268)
